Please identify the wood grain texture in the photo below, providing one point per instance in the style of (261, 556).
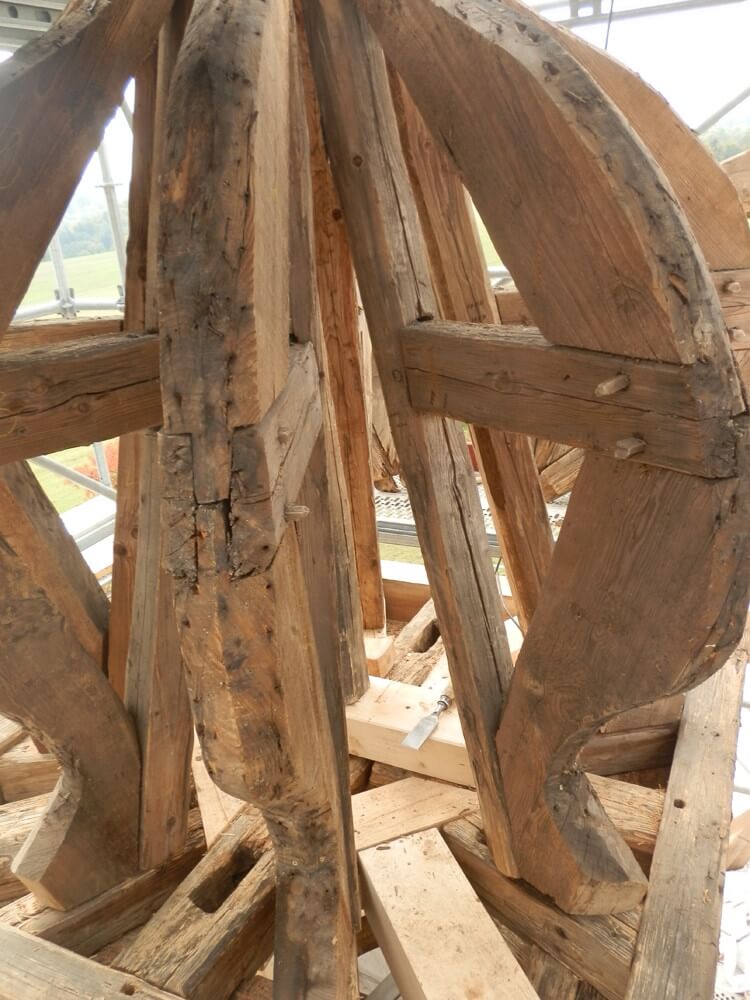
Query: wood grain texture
(155, 691)
(129, 453)
(459, 275)
(33, 531)
(25, 772)
(100, 921)
(438, 939)
(513, 379)
(682, 535)
(77, 392)
(17, 820)
(393, 274)
(598, 949)
(328, 535)
(339, 311)
(695, 826)
(216, 928)
(616, 230)
(86, 840)
(34, 969)
(58, 92)
(263, 707)
(696, 179)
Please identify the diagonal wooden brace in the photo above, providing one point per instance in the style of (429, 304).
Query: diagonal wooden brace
(269, 461)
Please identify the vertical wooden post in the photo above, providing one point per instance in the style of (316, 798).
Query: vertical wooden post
(462, 287)
(339, 314)
(368, 167)
(153, 687)
(236, 410)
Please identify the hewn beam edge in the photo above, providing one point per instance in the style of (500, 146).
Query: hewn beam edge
(668, 415)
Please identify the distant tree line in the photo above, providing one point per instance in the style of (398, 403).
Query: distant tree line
(88, 234)
(726, 141)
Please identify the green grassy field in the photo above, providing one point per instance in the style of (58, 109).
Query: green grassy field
(94, 277)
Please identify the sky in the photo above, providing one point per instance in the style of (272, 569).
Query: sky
(696, 59)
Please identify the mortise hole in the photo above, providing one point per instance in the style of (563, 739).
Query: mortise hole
(679, 803)
(213, 893)
(128, 989)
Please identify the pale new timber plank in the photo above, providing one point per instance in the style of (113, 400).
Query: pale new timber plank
(11, 733)
(598, 949)
(378, 722)
(438, 939)
(25, 772)
(407, 806)
(677, 948)
(34, 969)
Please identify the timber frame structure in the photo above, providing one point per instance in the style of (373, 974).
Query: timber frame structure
(208, 769)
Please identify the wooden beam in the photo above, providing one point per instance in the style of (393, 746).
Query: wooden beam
(266, 713)
(695, 825)
(87, 839)
(439, 941)
(378, 722)
(515, 380)
(554, 132)
(459, 274)
(683, 534)
(77, 392)
(738, 169)
(328, 535)
(340, 323)
(17, 820)
(25, 772)
(47, 333)
(34, 969)
(372, 182)
(599, 949)
(217, 927)
(56, 96)
(129, 450)
(32, 529)
(98, 922)
(155, 691)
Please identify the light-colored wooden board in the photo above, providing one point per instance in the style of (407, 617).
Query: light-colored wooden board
(438, 939)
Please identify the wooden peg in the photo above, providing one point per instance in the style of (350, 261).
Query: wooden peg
(737, 334)
(732, 287)
(612, 385)
(627, 447)
(296, 512)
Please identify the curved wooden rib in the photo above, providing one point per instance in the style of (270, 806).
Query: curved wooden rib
(56, 95)
(649, 582)
(706, 196)
(51, 680)
(582, 217)
(264, 705)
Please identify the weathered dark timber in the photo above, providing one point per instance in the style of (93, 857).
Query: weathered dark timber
(262, 707)
(56, 95)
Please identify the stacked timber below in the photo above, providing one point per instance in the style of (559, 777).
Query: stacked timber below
(246, 527)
